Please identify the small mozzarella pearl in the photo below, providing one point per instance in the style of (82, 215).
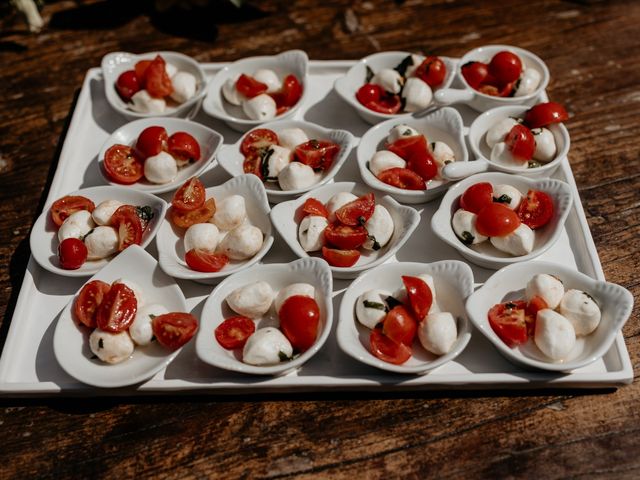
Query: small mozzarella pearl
(101, 243)
(202, 236)
(296, 176)
(380, 227)
(311, 232)
(141, 329)
(501, 154)
(416, 62)
(383, 160)
(547, 287)
(529, 81)
(231, 212)
(266, 347)
(545, 145)
(499, 131)
(464, 226)
(438, 332)
(580, 309)
(171, 69)
(519, 242)
(279, 157)
(160, 168)
(340, 199)
(292, 137)
(261, 107)
(231, 93)
(304, 289)
(390, 80)
(554, 334)
(401, 131)
(370, 307)
(103, 212)
(443, 154)
(417, 94)
(76, 225)
(507, 195)
(111, 347)
(242, 242)
(269, 78)
(252, 300)
(184, 86)
(145, 103)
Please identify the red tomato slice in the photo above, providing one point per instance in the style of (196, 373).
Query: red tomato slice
(368, 93)
(345, 237)
(249, 86)
(476, 197)
(521, 143)
(127, 222)
(318, 154)
(234, 332)
(508, 322)
(190, 196)
(72, 253)
(88, 301)
(184, 219)
(289, 95)
(475, 73)
(358, 211)
(141, 71)
(388, 104)
(387, 349)
(257, 140)
(496, 220)
(420, 296)
(534, 305)
(157, 82)
(400, 326)
(402, 178)
(424, 165)
(253, 164)
(536, 209)
(117, 309)
(340, 258)
(205, 261)
(313, 206)
(408, 147)
(127, 85)
(122, 165)
(545, 114)
(173, 330)
(151, 141)
(432, 71)
(184, 147)
(505, 66)
(65, 206)
(299, 321)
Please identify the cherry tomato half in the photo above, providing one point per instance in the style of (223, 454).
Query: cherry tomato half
(505, 67)
(72, 253)
(157, 82)
(387, 349)
(184, 147)
(508, 322)
(117, 309)
(521, 143)
(409, 147)
(400, 326)
(88, 301)
(420, 296)
(233, 332)
(388, 104)
(476, 197)
(432, 71)
(127, 85)
(183, 219)
(345, 237)
(249, 86)
(314, 206)
(122, 165)
(402, 178)
(252, 163)
(65, 206)
(536, 209)
(545, 114)
(369, 92)
(173, 330)
(534, 305)
(141, 71)
(318, 154)
(340, 258)
(496, 220)
(190, 196)
(151, 141)
(475, 73)
(299, 321)
(129, 226)
(205, 261)
(357, 212)
(258, 139)
(290, 93)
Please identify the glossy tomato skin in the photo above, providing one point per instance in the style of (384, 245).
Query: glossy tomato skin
(175, 329)
(122, 164)
(129, 226)
(88, 301)
(357, 212)
(141, 71)
(127, 85)
(151, 141)
(420, 296)
(233, 332)
(400, 326)
(184, 147)
(369, 92)
(432, 71)
(340, 258)
(545, 114)
(475, 73)
(183, 219)
(290, 93)
(313, 206)
(65, 206)
(388, 104)
(299, 321)
(403, 178)
(117, 310)
(190, 196)
(205, 261)
(536, 209)
(476, 197)
(505, 67)
(72, 253)
(249, 86)
(157, 81)
(345, 237)
(508, 322)
(415, 151)
(257, 140)
(318, 154)
(496, 220)
(521, 143)
(387, 349)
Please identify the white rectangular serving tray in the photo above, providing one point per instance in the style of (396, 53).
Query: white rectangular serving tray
(28, 366)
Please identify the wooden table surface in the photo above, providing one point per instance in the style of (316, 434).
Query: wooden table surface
(593, 52)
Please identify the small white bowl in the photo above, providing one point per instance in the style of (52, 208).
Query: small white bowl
(348, 85)
(115, 63)
(290, 62)
(454, 283)
(477, 139)
(444, 125)
(480, 101)
(44, 235)
(71, 341)
(231, 159)
(279, 275)
(286, 217)
(170, 238)
(209, 141)
(485, 254)
(509, 283)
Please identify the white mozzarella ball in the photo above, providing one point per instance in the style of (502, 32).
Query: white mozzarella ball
(438, 332)
(383, 160)
(416, 61)
(135, 288)
(443, 154)
(371, 307)
(304, 289)
(184, 86)
(231, 93)
(145, 103)
(311, 232)
(201, 236)
(507, 195)
(242, 242)
(267, 346)
(581, 310)
(340, 199)
(545, 144)
(554, 334)
(296, 176)
(519, 242)
(417, 94)
(380, 227)
(103, 212)
(102, 242)
(252, 300)
(76, 225)
(141, 330)
(529, 81)
(464, 226)
(171, 69)
(389, 79)
(269, 78)
(501, 154)
(261, 107)
(160, 168)
(279, 157)
(547, 287)
(111, 347)
(401, 131)
(292, 137)
(499, 131)
(231, 212)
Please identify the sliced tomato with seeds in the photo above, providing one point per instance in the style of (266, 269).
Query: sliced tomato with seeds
(65, 206)
(314, 206)
(253, 164)
(387, 349)
(234, 332)
(157, 81)
(299, 318)
(122, 164)
(257, 140)
(141, 71)
(408, 147)
(128, 225)
(357, 212)
(521, 143)
(318, 154)
(545, 114)
(402, 178)
(420, 295)
(536, 209)
(183, 219)
(184, 147)
(508, 322)
(88, 301)
(400, 326)
(151, 141)
(174, 329)
(117, 309)
(190, 196)
(476, 197)
(345, 237)
(340, 258)
(289, 95)
(249, 86)
(496, 220)
(432, 71)
(205, 261)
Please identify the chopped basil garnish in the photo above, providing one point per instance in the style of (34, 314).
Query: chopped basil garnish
(590, 297)
(152, 316)
(467, 238)
(504, 198)
(510, 305)
(93, 357)
(153, 339)
(361, 221)
(392, 302)
(369, 75)
(145, 213)
(376, 305)
(265, 155)
(85, 236)
(283, 356)
(407, 133)
(536, 131)
(100, 343)
(314, 143)
(533, 164)
(376, 245)
(406, 62)
(433, 146)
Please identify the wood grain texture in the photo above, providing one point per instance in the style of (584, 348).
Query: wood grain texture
(593, 51)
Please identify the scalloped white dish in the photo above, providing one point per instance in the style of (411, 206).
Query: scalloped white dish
(279, 275)
(170, 245)
(71, 341)
(615, 303)
(44, 239)
(231, 159)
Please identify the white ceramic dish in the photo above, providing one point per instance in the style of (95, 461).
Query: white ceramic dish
(454, 283)
(290, 62)
(348, 85)
(286, 217)
(71, 341)
(44, 239)
(482, 152)
(444, 125)
(171, 247)
(482, 102)
(509, 283)
(209, 141)
(279, 275)
(231, 159)
(115, 63)
(485, 254)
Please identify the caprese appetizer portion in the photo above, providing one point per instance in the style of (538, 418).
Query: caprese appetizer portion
(408, 160)
(289, 158)
(397, 319)
(262, 95)
(90, 232)
(217, 230)
(502, 214)
(120, 319)
(554, 317)
(343, 226)
(154, 85)
(408, 87)
(526, 142)
(297, 321)
(504, 76)
(156, 156)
